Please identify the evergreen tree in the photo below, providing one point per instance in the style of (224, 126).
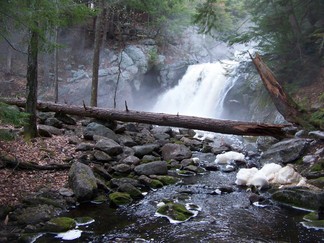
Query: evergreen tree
(38, 17)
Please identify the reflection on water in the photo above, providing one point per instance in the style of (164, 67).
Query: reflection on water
(223, 218)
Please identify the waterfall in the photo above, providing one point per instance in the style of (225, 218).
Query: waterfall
(200, 92)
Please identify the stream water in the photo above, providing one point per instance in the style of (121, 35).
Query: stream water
(228, 217)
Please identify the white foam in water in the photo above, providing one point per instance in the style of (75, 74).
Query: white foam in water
(69, 235)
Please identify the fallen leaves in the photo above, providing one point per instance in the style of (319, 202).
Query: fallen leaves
(16, 184)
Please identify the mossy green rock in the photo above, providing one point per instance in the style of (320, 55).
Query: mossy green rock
(298, 197)
(313, 221)
(120, 198)
(60, 224)
(175, 211)
(156, 184)
(319, 182)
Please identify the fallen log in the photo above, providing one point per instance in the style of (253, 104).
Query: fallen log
(10, 161)
(191, 122)
(286, 106)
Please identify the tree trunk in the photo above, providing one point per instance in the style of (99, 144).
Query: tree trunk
(30, 129)
(283, 102)
(191, 122)
(96, 54)
(56, 67)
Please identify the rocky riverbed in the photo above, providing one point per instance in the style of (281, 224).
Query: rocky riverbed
(119, 163)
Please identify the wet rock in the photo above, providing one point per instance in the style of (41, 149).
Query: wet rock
(175, 151)
(35, 214)
(317, 134)
(313, 220)
(152, 168)
(145, 149)
(265, 143)
(131, 190)
(82, 181)
(94, 128)
(299, 197)
(162, 129)
(175, 211)
(285, 152)
(120, 198)
(166, 180)
(109, 146)
(318, 182)
(59, 224)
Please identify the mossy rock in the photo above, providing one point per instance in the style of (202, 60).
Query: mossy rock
(120, 198)
(313, 221)
(60, 224)
(318, 166)
(167, 180)
(297, 197)
(175, 211)
(84, 220)
(156, 184)
(318, 182)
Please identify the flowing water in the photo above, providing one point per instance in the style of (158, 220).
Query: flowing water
(228, 217)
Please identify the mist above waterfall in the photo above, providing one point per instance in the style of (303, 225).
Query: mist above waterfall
(200, 92)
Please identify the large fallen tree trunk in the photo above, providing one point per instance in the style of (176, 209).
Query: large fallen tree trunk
(191, 122)
(281, 99)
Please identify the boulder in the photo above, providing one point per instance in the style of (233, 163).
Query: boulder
(47, 131)
(131, 190)
(120, 198)
(59, 224)
(82, 181)
(109, 146)
(285, 152)
(145, 149)
(175, 151)
(152, 168)
(299, 197)
(94, 128)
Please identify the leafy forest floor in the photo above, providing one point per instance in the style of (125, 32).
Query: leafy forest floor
(16, 184)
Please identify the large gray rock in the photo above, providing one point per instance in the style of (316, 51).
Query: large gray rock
(284, 152)
(109, 146)
(94, 128)
(175, 151)
(47, 131)
(145, 149)
(82, 181)
(152, 168)
(300, 197)
(138, 57)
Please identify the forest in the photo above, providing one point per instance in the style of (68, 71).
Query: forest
(80, 82)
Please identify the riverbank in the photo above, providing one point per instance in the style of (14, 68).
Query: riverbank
(141, 154)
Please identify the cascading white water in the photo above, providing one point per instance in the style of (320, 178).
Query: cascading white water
(200, 92)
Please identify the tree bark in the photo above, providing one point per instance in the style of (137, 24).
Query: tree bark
(30, 129)
(281, 99)
(191, 122)
(96, 54)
